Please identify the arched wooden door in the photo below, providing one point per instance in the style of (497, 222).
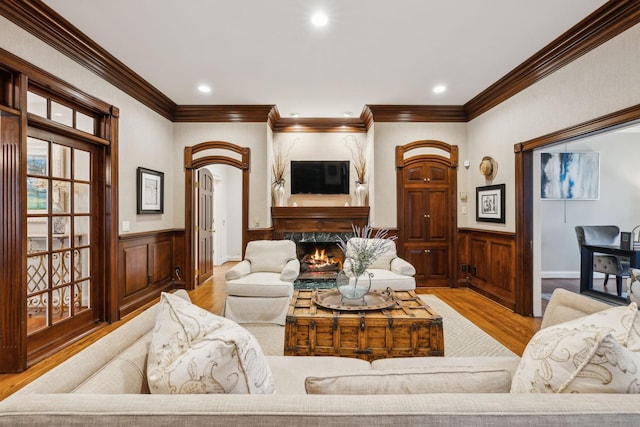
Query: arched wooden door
(195, 157)
(426, 185)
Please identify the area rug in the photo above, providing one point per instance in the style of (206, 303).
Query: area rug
(461, 337)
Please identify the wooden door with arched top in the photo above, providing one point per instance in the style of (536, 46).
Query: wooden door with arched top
(426, 186)
(196, 157)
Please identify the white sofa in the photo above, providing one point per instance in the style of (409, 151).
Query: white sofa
(105, 385)
(388, 270)
(259, 288)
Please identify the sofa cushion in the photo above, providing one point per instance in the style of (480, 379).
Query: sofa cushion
(289, 373)
(566, 305)
(580, 359)
(467, 363)
(195, 351)
(259, 285)
(408, 381)
(270, 255)
(126, 374)
(383, 279)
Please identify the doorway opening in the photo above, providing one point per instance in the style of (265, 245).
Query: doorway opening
(202, 155)
(528, 237)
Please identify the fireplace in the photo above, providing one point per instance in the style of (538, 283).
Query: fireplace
(320, 227)
(319, 260)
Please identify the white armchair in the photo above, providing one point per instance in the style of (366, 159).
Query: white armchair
(259, 288)
(389, 270)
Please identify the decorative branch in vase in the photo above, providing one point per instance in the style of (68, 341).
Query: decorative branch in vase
(279, 171)
(358, 150)
(360, 252)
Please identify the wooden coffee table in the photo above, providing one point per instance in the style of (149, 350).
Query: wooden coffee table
(407, 328)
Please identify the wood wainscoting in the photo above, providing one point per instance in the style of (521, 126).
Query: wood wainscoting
(487, 264)
(148, 264)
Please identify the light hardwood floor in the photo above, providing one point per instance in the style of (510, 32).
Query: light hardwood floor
(512, 330)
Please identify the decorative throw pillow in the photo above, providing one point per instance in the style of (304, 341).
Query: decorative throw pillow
(195, 351)
(406, 381)
(633, 285)
(584, 359)
(623, 323)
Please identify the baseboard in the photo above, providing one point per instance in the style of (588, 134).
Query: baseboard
(229, 259)
(566, 275)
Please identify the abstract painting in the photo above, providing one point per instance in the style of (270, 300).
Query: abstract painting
(570, 176)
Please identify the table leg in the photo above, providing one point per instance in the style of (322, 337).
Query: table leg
(586, 269)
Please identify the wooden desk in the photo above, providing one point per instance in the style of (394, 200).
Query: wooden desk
(409, 328)
(586, 267)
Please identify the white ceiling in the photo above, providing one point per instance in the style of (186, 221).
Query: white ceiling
(371, 51)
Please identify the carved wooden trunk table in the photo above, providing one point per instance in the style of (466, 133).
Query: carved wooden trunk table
(407, 328)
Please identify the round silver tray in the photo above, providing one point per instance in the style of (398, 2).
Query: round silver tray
(374, 300)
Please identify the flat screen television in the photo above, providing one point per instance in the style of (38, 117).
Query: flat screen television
(319, 177)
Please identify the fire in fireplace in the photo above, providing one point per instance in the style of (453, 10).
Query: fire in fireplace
(319, 260)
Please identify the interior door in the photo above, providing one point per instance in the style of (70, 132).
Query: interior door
(63, 260)
(205, 225)
(427, 221)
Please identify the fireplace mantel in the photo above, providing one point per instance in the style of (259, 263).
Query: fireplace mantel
(318, 218)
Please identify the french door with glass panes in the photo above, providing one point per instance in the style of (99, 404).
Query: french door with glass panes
(62, 242)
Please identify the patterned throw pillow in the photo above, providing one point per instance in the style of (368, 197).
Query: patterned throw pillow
(633, 285)
(623, 323)
(195, 351)
(580, 359)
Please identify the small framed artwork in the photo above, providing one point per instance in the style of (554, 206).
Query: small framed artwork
(150, 185)
(490, 203)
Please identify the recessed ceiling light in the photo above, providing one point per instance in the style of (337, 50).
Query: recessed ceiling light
(319, 19)
(295, 115)
(204, 89)
(439, 89)
(347, 114)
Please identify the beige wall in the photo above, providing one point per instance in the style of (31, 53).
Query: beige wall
(251, 135)
(387, 137)
(600, 82)
(603, 81)
(145, 137)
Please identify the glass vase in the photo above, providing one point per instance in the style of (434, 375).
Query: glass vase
(352, 287)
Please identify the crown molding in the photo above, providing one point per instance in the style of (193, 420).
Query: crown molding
(417, 113)
(319, 125)
(608, 21)
(38, 19)
(222, 113)
(605, 23)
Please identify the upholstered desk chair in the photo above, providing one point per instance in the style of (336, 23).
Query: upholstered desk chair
(389, 270)
(259, 288)
(607, 264)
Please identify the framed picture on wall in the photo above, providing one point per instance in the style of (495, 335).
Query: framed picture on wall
(570, 176)
(150, 189)
(490, 203)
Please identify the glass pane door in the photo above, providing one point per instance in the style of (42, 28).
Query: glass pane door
(59, 224)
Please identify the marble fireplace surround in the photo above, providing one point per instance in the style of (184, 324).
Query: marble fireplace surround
(323, 226)
(308, 242)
